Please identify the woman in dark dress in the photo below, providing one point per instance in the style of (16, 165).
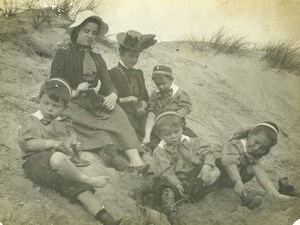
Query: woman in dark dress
(129, 82)
(86, 72)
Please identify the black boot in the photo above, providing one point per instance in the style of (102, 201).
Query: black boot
(287, 189)
(104, 217)
(111, 157)
(168, 204)
(251, 202)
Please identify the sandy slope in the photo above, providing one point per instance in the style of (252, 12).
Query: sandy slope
(228, 92)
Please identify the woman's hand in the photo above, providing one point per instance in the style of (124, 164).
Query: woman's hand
(129, 99)
(144, 105)
(110, 101)
(146, 140)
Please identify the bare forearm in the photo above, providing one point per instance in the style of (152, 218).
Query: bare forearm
(233, 172)
(264, 181)
(40, 145)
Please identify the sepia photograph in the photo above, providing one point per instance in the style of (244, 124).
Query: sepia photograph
(154, 112)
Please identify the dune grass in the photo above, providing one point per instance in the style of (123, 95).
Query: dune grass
(69, 8)
(283, 56)
(220, 42)
(10, 8)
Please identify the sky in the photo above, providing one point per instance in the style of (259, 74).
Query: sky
(257, 20)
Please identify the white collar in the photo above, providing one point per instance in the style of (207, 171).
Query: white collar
(162, 143)
(244, 143)
(174, 88)
(38, 114)
(121, 62)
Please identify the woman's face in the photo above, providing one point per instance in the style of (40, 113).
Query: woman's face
(130, 58)
(87, 34)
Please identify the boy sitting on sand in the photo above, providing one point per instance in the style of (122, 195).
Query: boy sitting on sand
(183, 164)
(47, 142)
(167, 96)
(240, 162)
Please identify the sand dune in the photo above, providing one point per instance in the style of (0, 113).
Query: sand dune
(228, 92)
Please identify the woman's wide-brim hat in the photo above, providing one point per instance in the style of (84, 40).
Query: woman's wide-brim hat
(136, 41)
(82, 16)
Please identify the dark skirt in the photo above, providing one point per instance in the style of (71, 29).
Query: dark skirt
(94, 133)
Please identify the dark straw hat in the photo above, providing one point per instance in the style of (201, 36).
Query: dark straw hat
(136, 41)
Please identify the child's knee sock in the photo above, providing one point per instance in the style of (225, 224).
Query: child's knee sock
(168, 200)
(106, 218)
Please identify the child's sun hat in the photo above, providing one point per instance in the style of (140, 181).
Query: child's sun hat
(136, 41)
(61, 83)
(84, 15)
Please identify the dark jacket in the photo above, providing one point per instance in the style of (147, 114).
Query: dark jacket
(68, 64)
(120, 78)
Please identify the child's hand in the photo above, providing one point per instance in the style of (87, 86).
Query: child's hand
(64, 149)
(180, 190)
(205, 175)
(238, 187)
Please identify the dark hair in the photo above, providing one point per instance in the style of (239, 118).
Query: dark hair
(56, 92)
(269, 132)
(123, 50)
(74, 33)
(168, 120)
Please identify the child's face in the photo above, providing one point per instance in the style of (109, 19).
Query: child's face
(171, 134)
(162, 83)
(51, 109)
(258, 144)
(130, 58)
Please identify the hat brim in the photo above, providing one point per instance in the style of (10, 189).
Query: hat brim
(103, 26)
(120, 39)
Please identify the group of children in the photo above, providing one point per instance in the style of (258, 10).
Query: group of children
(185, 165)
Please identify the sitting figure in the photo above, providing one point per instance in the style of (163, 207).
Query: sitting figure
(48, 142)
(183, 165)
(129, 81)
(168, 96)
(240, 162)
